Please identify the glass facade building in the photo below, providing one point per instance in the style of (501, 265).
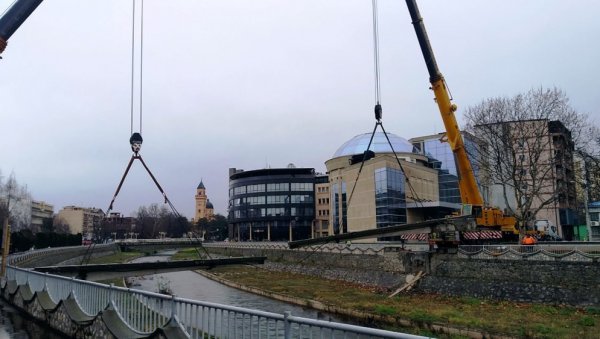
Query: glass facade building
(390, 197)
(442, 158)
(271, 204)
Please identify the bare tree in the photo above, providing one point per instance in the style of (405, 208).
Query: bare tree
(59, 225)
(153, 219)
(15, 203)
(519, 154)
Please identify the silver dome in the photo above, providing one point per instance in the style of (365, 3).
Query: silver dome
(359, 143)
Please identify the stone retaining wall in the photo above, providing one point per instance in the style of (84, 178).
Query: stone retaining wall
(571, 283)
(554, 282)
(384, 271)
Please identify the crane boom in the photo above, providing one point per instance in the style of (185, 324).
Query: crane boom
(14, 18)
(469, 191)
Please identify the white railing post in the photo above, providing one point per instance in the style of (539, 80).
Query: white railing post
(111, 302)
(287, 326)
(173, 308)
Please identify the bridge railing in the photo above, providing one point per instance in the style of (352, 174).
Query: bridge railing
(551, 252)
(143, 312)
(17, 258)
(326, 248)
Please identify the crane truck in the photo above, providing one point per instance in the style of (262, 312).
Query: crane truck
(475, 215)
(486, 217)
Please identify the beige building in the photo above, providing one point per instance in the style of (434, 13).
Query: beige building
(204, 208)
(542, 152)
(321, 224)
(40, 210)
(389, 190)
(80, 219)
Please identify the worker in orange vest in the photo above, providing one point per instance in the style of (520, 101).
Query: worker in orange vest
(528, 240)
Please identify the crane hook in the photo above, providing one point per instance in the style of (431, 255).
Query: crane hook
(136, 142)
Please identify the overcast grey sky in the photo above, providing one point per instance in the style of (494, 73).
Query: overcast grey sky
(256, 83)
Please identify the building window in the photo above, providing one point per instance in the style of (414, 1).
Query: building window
(255, 188)
(277, 199)
(260, 200)
(390, 197)
(278, 187)
(275, 211)
(239, 190)
(301, 199)
(335, 208)
(344, 209)
(301, 186)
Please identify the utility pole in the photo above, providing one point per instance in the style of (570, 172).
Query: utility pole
(586, 178)
(5, 235)
(5, 244)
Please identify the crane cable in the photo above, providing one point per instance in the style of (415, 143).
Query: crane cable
(378, 111)
(133, 63)
(133, 139)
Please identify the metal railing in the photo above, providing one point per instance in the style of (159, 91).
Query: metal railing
(553, 252)
(328, 248)
(17, 258)
(143, 312)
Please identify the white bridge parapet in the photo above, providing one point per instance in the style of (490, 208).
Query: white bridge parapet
(101, 310)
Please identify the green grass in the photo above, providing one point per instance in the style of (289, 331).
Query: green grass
(116, 258)
(186, 254)
(587, 321)
(593, 310)
(119, 282)
(420, 315)
(498, 317)
(384, 310)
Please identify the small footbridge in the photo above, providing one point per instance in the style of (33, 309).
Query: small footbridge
(85, 309)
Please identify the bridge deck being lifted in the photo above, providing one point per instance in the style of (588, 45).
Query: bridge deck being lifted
(111, 271)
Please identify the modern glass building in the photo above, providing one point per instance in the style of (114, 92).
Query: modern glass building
(276, 204)
(387, 189)
(442, 158)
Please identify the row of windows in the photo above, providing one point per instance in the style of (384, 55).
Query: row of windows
(278, 199)
(276, 187)
(301, 186)
(323, 189)
(255, 188)
(323, 213)
(274, 212)
(274, 199)
(323, 201)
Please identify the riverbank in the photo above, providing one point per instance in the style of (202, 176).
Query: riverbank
(425, 314)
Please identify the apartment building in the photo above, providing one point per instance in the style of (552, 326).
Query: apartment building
(82, 220)
(40, 211)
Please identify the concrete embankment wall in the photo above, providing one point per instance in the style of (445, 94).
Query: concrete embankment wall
(555, 282)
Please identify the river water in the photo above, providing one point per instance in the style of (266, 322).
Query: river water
(191, 285)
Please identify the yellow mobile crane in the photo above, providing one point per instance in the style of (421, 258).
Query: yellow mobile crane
(476, 216)
(485, 217)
